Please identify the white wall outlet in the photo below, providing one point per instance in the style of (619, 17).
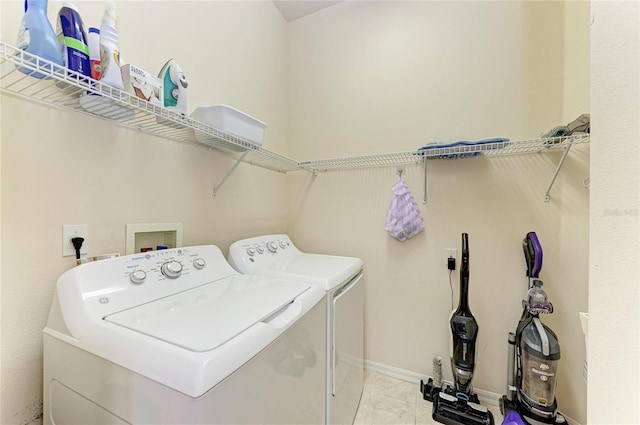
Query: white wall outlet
(450, 253)
(70, 231)
(451, 258)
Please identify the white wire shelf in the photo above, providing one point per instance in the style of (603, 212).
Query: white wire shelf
(32, 77)
(43, 81)
(364, 161)
(453, 152)
(456, 152)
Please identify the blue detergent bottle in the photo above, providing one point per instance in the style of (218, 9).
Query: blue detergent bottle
(73, 39)
(37, 37)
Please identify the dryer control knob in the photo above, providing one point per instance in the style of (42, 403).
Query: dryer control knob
(171, 269)
(283, 244)
(259, 249)
(199, 263)
(137, 276)
(272, 246)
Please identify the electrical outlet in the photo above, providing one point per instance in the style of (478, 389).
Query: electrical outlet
(70, 231)
(451, 258)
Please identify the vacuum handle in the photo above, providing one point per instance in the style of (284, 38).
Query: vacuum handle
(463, 305)
(532, 254)
(464, 267)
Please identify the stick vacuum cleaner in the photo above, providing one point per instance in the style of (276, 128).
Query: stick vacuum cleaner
(534, 354)
(459, 404)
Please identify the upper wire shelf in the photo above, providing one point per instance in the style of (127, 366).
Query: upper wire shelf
(33, 77)
(47, 82)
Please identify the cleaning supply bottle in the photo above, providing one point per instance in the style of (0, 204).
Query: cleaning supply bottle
(109, 53)
(37, 36)
(94, 53)
(73, 39)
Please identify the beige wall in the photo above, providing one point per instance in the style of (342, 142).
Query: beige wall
(374, 77)
(614, 273)
(361, 77)
(61, 167)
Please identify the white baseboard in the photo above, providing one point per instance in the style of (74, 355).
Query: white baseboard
(487, 398)
(394, 372)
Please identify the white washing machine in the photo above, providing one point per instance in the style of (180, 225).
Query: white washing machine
(341, 278)
(179, 337)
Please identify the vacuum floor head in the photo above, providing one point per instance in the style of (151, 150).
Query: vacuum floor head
(451, 410)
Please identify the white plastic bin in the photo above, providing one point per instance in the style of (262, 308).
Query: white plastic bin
(231, 121)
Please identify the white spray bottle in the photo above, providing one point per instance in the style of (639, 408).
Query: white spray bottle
(109, 53)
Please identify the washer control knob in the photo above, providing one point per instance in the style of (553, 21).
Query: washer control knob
(251, 251)
(137, 276)
(259, 249)
(199, 263)
(272, 246)
(171, 269)
(283, 244)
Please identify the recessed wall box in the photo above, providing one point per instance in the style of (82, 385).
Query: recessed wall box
(143, 235)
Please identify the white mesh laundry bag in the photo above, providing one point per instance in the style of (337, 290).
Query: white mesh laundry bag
(403, 216)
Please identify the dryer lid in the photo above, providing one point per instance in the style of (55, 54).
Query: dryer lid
(328, 271)
(204, 318)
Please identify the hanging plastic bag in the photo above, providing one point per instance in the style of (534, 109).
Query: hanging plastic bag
(403, 216)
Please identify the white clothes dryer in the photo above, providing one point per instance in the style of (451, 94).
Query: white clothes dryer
(341, 278)
(178, 336)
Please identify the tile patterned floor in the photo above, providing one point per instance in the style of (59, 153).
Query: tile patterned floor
(390, 401)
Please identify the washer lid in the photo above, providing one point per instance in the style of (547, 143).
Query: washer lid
(204, 318)
(328, 271)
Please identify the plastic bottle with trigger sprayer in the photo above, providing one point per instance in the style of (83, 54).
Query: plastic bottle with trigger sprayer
(109, 53)
(36, 36)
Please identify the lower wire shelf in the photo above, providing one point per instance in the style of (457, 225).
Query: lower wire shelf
(501, 148)
(448, 153)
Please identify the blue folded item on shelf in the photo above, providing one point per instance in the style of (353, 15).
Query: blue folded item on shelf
(559, 131)
(457, 149)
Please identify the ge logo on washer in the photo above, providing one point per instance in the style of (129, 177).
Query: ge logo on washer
(104, 300)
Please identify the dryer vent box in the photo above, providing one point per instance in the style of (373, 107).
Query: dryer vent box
(141, 237)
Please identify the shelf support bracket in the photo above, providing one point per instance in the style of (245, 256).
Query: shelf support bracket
(547, 198)
(224, 179)
(424, 196)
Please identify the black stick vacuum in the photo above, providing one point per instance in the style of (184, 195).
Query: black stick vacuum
(459, 404)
